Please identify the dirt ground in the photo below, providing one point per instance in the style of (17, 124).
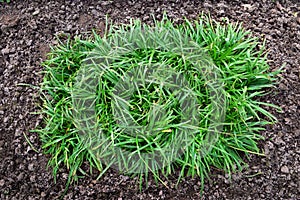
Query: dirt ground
(27, 28)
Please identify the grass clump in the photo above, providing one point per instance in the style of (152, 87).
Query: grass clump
(243, 73)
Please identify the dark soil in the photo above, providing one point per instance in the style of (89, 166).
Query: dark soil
(27, 28)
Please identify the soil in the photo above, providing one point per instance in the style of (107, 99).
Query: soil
(27, 28)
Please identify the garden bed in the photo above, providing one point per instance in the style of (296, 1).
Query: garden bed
(27, 30)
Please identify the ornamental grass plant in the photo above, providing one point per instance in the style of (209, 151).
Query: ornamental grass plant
(137, 126)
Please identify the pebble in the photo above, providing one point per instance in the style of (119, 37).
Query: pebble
(32, 179)
(43, 194)
(160, 193)
(2, 182)
(5, 51)
(285, 169)
(36, 12)
(94, 12)
(31, 167)
(5, 119)
(20, 176)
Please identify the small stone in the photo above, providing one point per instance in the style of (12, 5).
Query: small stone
(29, 42)
(279, 6)
(207, 5)
(105, 3)
(36, 12)
(160, 193)
(31, 167)
(6, 119)
(94, 12)
(5, 51)
(20, 176)
(2, 182)
(248, 7)
(285, 169)
(69, 27)
(12, 50)
(32, 179)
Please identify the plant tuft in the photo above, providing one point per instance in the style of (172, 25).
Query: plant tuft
(244, 73)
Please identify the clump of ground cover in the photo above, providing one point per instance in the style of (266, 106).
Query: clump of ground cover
(244, 75)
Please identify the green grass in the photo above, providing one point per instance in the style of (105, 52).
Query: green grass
(242, 66)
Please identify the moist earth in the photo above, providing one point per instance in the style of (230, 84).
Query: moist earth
(28, 28)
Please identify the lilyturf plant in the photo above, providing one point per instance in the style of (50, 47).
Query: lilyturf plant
(243, 73)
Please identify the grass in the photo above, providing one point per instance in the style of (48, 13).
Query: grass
(130, 140)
